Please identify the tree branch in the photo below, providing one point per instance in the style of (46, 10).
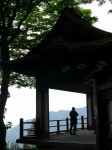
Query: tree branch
(28, 11)
(11, 18)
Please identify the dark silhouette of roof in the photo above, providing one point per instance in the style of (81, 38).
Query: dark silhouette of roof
(72, 46)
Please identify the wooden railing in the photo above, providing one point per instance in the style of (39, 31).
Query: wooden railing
(64, 125)
(59, 126)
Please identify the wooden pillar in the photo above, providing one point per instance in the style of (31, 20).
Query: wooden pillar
(103, 121)
(89, 99)
(42, 108)
(101, 112)
(104, 96)
(96, 113)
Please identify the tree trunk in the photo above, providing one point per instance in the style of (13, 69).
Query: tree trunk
(2, 136)
(3, 99)
(4, 92)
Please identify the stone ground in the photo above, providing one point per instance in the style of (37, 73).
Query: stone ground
(84, 140)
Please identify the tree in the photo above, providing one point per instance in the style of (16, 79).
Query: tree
(23, 24)
(13, 14)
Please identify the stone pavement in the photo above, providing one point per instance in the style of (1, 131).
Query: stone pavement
(82, 137)
(84, 140)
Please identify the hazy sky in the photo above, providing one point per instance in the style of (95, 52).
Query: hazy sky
(62, 100)
(21, 104)
(105, 19)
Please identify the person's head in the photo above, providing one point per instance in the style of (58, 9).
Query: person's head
(73, 108)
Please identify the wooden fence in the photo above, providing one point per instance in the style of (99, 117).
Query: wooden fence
(28, 129)
(64, 125)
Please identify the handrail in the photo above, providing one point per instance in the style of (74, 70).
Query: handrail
(60, 126)
(81, 124)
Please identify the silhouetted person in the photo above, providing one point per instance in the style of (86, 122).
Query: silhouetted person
(73, 120)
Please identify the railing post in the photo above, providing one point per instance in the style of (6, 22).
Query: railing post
(82, 122)
(58, 127)
(21, 127)
(67, 126)
(35, 127)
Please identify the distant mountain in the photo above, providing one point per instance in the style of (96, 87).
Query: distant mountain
(13, 133)
(62, 114)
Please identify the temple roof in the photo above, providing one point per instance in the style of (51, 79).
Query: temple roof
(72, 46)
